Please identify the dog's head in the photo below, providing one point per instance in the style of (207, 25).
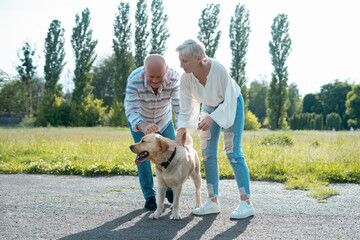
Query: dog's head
(152, 147)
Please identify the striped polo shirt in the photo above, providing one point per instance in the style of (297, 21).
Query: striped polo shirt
(142, 105)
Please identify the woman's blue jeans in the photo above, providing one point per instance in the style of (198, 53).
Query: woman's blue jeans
(232, 140)
(144, 169)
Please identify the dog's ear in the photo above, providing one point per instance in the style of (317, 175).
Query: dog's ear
(163, 145)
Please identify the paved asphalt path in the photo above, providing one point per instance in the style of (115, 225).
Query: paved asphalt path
(74, 207)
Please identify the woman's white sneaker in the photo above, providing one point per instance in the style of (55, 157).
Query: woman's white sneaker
(244, 210)
(208, 208)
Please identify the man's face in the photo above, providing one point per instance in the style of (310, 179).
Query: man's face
(155, 75)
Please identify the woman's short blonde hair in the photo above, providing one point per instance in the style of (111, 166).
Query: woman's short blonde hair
(191, 48)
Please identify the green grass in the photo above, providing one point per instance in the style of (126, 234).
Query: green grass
(321, 193)
(312, 160)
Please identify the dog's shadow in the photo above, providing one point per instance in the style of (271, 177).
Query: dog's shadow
(137, 225)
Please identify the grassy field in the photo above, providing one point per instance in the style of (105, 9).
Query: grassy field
(312, 161)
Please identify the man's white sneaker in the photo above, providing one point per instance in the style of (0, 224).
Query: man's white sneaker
(244, 210)
(208, 208)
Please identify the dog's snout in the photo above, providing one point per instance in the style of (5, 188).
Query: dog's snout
(131, 147)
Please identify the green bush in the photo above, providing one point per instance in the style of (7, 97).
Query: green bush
(319, 122)
(306, 121)
(28, 121)
(88, 113)
(333, 121)
(352, 123)
(312, 124)
(251, 121)
(315, 143)
(117, 115)
(53, 111)
(281, 139)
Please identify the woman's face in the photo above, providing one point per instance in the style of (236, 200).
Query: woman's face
(188, 63)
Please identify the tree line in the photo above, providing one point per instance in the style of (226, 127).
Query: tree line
(99, 91)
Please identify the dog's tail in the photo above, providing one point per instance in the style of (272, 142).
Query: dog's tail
(187, 140)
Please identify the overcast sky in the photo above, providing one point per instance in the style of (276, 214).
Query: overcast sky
(325, 34)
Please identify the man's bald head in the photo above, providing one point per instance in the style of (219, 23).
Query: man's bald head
(155, 61)
(155, 69)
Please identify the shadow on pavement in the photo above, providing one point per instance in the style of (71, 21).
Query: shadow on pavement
(234, 231)
(128, 227)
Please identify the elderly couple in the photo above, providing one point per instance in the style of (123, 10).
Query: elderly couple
(149, 92)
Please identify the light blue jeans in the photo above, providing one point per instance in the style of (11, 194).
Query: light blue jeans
(232, 140)
(144, 169)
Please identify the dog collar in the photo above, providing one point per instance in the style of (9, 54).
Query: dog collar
(166, 164)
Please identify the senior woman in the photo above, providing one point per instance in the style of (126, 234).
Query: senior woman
(207, 81)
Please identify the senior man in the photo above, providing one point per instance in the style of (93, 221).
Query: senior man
(152, 92)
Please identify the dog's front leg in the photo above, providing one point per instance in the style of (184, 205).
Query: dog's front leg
(175, 213)
(160, 198)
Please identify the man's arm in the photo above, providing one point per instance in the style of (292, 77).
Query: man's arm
(132, 103)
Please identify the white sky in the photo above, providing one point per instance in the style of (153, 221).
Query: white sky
(325, 34)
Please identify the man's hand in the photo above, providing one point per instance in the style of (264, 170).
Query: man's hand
(205, 123)
(147, 128)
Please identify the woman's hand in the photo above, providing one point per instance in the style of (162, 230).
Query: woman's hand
(205, 123)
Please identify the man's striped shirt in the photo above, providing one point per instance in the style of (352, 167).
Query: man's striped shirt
(142, 105)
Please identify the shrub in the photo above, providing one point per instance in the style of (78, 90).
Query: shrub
(88, 113)
(117, 115)
(319, 122)
(28, 121)
(333, 121)
(281, 139)
(251, 121)
(312, 124)
(352, 123)
(306, 121)
(315, 143)
(265, 124)
(53, 111)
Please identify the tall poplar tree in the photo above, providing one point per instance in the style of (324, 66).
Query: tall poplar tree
(294, 100)
(280, 48)
(84, 51)
(4, 78)
(54, 57)
(103, 79)
(26, 73)
(208, 23)
(54, 65)
(141, 34)
(257, 98)
(82, 105)
(239, 40)
(159, 32)
(122, 48)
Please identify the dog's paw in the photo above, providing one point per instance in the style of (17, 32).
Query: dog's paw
(155, 215)
(175, 215)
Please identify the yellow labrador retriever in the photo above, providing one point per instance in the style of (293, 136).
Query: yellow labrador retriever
(174, 164)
